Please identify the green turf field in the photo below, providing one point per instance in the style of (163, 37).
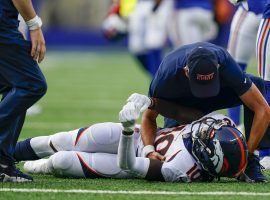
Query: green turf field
(85, 88)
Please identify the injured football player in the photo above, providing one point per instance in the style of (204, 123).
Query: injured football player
(199, 151)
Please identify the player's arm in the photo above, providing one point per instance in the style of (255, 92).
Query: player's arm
(255, 101)
(34, 23)
(140, 167)
(127, 160)
(251, 97)
(175, 111)
(148, 125)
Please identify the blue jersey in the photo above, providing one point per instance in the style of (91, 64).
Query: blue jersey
(266, 13)
(257, 6)
(9, 23)
(170, 82)
(206, 4)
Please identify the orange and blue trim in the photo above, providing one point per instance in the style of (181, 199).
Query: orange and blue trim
(261, 46)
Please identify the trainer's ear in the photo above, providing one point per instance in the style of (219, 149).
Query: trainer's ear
(186, 70)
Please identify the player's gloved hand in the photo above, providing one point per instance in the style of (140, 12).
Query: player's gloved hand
(141, 102)
(156, 156)
(127, 116)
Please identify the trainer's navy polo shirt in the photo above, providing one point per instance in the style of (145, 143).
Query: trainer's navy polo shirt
(170, 82)
(9, 33)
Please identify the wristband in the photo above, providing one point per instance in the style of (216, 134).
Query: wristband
(147, 149)
(153, 102)
(34, 23)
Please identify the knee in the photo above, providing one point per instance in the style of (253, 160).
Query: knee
(40, 88)
(61, 141)
(62, 161)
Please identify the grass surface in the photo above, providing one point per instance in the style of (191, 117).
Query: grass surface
(85, 88)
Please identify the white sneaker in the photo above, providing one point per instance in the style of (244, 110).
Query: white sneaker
(37, 167)
(265, 162)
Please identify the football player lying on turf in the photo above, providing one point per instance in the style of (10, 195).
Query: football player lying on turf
(207, 148)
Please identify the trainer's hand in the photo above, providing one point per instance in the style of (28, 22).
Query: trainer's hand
(156, 156)
(128, 115)
(141, 102)
(38, 45)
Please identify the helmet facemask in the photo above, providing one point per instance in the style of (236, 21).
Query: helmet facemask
(206, 150)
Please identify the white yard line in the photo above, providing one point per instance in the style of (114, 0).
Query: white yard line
(142, 192)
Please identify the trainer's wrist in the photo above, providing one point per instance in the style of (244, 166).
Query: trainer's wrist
(153, 103)
(147, 150)
(34, 24)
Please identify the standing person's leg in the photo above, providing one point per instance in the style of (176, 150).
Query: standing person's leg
(263, 53)
(192, 25)
(136, 32)
(156, 34)
(244, 28)
(25, 84)
(253, 169)
(263, 60)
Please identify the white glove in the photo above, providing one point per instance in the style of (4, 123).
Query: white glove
(128, 115)
(141, 102)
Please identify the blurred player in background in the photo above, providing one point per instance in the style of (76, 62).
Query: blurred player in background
(145, 22)
(115, 150)
(21, 80)
(192, 21)
(263, 59)
(244, 28)
(148, 32)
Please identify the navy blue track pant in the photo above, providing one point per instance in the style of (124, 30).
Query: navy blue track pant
(21, 85)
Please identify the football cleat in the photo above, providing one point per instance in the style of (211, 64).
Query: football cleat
(12, 174)
(37, 166)
(254, 169)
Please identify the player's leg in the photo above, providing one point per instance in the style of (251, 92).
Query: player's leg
(101, 137)
(237, 23)
(263, 53)
(78, 165)
(136, 28)
(253, 169)
(193, 25)
(263, 60)
(243, 28)
(156, 34)
(25, 84)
